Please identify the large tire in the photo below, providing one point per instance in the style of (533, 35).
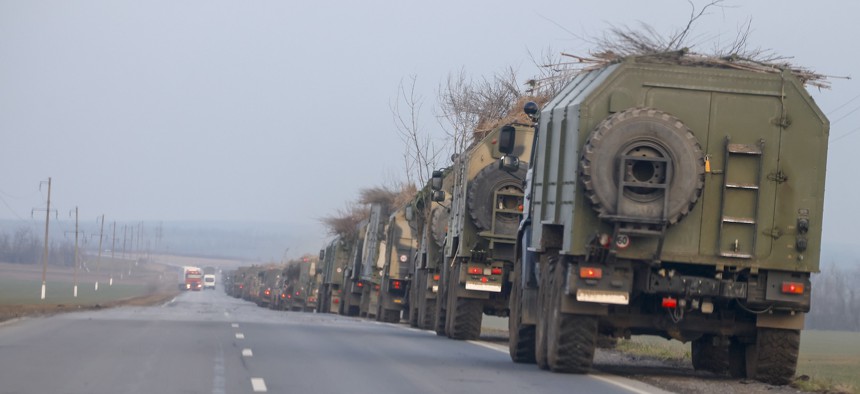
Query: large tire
(428, 315)
(521, 337)
(390, 315)
(439, 224)
(709, 357)
(544, 295)
(464, 315)
(650, 133)
(571, 339)
(772, 358)
(481, 198)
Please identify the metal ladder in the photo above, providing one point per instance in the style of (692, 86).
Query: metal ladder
(755, 150)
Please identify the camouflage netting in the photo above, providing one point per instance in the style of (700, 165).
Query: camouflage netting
(644, 44)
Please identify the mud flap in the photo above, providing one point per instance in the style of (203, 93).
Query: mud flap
(781, 320)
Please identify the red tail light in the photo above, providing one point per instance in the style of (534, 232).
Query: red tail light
(496, 271)
(360, 284)
(283, 295)
(436, 277)
(483, 279)
(792, 288)
(669, 302)
(475, 271)
(396, 284)
(590, 273)
(335, 301)
(268, 292)
(241, 286)
(297, 293)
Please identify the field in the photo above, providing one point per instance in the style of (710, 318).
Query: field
(828, 358)
(133, 281)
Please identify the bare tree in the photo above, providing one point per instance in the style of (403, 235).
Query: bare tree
(421, 154)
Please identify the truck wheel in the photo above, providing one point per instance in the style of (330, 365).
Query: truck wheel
(571, 339)
(521, 337)
(648, 133)
(464, 314)
(428, 316)
(541, 343)
(772, 359)
(709, 357)
(482, 199)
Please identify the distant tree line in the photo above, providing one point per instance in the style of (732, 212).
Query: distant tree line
(23, 246)
(835, 300)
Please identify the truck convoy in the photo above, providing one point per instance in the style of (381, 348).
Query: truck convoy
(659, 195)
(190, 278)
(683, 201)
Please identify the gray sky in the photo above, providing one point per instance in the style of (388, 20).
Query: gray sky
(279, 111)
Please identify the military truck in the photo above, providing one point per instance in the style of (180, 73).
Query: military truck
(683, 201)
(374, 252)
(428, 219)
(334, 259)
(484, 213)
(299, 282)
(353, 286)
(399, 247)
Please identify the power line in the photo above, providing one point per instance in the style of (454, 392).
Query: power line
(845, 135)
(844, 104)
(846, 115)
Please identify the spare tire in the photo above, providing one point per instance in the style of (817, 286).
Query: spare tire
(653, 135)
(439, 224)
(481, 198)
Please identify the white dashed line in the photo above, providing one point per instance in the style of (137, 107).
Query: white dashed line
(239, 335)
(259, 385)
(235, 325)
(247, 353)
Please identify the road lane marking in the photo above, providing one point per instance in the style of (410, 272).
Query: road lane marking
(247, 353)
(259, 385)
(618, 381)
(235, 325)
(239, 335)
(218, 379)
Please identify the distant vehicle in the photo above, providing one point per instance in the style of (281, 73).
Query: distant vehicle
(191, 278)
(208, 281)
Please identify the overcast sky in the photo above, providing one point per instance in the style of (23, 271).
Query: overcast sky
(279, 111)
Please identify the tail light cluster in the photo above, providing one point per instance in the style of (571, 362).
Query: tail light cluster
(484, 274)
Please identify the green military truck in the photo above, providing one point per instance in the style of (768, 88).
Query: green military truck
(374, 250)
(428, 219)
(683, 201)
(484, 213)
(353, 286)
(397, 251)
(299, 284)
(335, 258)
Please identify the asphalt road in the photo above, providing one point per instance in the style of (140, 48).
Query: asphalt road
(207, 342)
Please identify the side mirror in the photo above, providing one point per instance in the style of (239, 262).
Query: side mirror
(436, 181)
(409, 213)
(322, 254)
(507, 139)
(438, 196)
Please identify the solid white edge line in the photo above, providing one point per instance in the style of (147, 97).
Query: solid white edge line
(258, 385)
(630, 385)
(235, 325)
(239, 335)
(247, 353)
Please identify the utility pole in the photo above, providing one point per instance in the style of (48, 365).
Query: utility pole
(124, 250)
(77, 231)
(99, 261)
(45, 252)
(112, 249)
